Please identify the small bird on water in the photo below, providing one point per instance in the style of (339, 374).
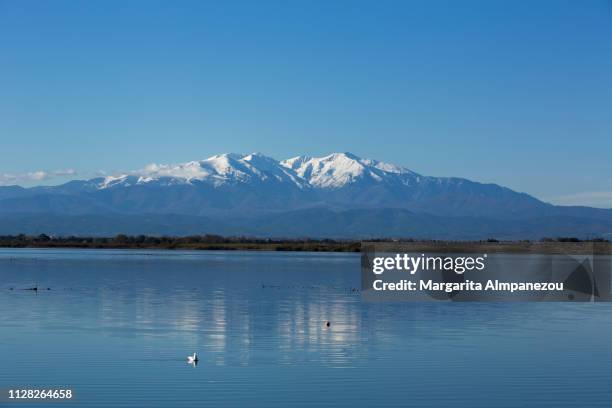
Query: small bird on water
(193, 359)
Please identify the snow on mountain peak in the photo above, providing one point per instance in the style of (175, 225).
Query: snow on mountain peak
(332, 171)
(339, 169)
(217, 170)
(110, 181)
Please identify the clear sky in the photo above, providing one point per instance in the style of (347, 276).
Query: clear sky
(513, 92)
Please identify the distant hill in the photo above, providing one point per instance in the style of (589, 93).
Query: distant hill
(340, 196)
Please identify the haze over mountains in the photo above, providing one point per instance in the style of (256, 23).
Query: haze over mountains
(340, 196)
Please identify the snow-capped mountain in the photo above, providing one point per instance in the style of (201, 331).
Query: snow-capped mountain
(333, 171)
(339, 169)
(339, 194)
(222, 169)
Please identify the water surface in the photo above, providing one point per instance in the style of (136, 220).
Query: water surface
(116, 327)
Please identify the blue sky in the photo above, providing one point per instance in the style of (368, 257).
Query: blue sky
(513, 92)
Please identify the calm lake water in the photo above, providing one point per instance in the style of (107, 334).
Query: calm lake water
(117, 326)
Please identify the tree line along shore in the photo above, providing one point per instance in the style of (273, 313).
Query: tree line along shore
(211, 242)
(217, 242)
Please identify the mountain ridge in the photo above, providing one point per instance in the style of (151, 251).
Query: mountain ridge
(247, 189)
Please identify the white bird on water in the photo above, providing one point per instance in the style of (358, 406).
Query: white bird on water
(193, 359)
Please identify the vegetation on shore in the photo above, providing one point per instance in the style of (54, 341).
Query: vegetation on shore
(203, 242)
(215, 242)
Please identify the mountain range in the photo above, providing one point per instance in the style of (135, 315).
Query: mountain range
(340, 195)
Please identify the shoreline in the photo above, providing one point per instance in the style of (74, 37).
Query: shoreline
(219, 243)
(177, 244)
